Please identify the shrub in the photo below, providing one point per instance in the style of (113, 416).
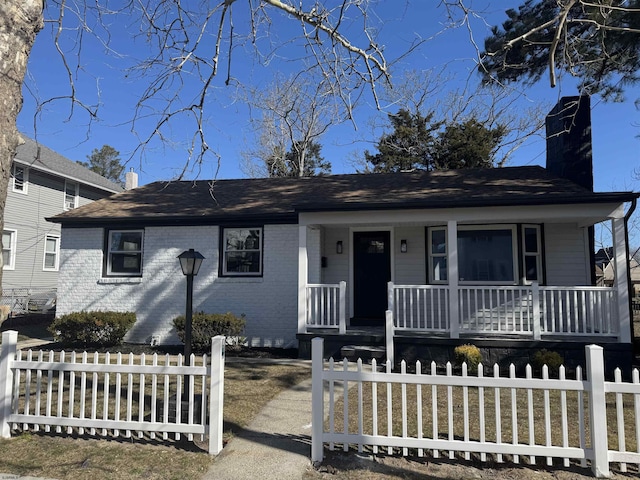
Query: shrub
(469, 354)
(102, 329)
(551, 359)
(207, 325)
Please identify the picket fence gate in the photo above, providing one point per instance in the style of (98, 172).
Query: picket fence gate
(544, 417)
(101, 394)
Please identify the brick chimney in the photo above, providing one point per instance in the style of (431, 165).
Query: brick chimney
(569, 151)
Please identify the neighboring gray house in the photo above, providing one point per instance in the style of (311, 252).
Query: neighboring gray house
(43, 184)
(498, 257)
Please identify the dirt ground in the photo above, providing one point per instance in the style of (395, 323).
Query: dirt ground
(352, 466)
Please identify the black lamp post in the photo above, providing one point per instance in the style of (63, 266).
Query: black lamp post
(190, 262)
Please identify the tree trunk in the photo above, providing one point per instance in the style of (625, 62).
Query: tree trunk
(20, 21)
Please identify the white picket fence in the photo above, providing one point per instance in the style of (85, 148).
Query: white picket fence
(101, 394)
(523, 418)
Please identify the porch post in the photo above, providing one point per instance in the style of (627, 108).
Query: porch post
(453, 276)
(622, 287)
(342, 325)
(535, 303)
(303, 269)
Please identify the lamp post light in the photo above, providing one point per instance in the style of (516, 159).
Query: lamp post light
(190, 262)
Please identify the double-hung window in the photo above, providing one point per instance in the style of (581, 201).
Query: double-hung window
(124, 253)
(531, 254)
(437, 245)
(9, 249)
(51, 253)
(70, 195)
(19, 178)
(242, 251)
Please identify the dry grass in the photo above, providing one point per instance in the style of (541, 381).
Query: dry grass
(248, 387)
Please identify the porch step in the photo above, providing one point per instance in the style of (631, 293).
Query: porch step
(365, 352)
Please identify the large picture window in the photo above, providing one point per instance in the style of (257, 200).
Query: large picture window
(9, 249)
(486, 255)
(242, 251)
(124, 255)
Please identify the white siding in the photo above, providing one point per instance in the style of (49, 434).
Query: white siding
(26, 214)
(269, 302)
(410, 266)
(566, 255)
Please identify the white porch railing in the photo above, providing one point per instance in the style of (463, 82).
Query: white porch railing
(515, 310)
(326, 306)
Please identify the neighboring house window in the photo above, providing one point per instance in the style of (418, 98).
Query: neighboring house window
(19, 178)
(437, 246)
(532, 254)
(242, 251)
(70, 195)
(9, 249)
(51, 252)
(124, 253)
(487, 254)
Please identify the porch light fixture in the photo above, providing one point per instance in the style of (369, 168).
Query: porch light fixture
(190, 262)
(403, 246)
(339, 247)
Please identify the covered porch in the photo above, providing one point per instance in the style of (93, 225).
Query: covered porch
(468, 292)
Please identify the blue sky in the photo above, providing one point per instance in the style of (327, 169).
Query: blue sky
(615, 126)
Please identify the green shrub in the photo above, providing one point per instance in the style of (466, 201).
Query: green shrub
(102, 329)
(469, 354)
(207, 325)
(551, 359)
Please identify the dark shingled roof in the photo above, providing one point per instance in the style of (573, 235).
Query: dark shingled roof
(190, 202)
(39, 157)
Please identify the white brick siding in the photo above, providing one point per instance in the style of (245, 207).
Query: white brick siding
(269, 302)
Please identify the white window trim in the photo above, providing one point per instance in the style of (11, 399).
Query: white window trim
(109, 252)
(75, 197)
(514, 249)
(56, 253)
(12, 249)
(25, 181)
(538, 254)
(223, 236)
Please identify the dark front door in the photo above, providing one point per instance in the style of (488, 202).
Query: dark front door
(371, 272)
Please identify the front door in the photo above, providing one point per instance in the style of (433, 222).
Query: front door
(371, 272)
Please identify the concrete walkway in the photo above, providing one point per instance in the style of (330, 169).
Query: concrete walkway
(277, 443)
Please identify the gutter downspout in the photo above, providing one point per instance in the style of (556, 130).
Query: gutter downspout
(626, 246)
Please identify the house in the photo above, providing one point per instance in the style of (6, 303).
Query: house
(42, 184)
(605, 271)
(500, 257)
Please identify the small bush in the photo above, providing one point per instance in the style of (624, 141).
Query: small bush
(102, 329)
(469, 354)
(207, 325)
(552, 360)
